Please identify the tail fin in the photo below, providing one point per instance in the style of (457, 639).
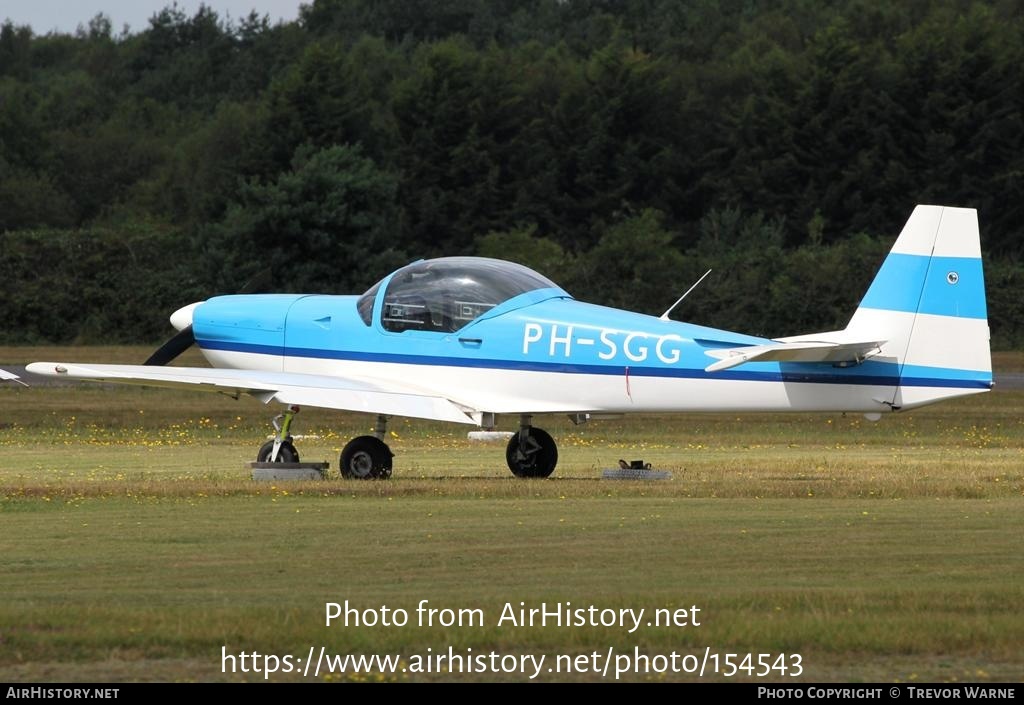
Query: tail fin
(928, 303)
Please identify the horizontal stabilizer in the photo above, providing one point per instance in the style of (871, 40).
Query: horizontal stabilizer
(347, 394)
(802, 351)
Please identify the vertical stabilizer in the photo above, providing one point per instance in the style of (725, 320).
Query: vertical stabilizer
(928, 302)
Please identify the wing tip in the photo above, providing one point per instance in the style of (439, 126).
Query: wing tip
(51, 369)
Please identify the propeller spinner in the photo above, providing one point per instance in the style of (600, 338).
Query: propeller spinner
(182, 341)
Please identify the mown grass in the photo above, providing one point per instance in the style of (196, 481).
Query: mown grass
(136, 544)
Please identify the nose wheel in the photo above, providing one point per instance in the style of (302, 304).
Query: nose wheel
(281, 449)
(286, 452)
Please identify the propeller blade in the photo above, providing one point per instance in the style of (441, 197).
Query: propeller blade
(173, 347)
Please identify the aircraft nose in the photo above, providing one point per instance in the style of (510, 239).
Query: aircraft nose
(182, 318)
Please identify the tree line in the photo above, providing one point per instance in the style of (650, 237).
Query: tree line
(621, 147)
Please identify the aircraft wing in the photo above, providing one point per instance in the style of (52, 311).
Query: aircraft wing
(5, 375)
(794, 351)
(348, 394)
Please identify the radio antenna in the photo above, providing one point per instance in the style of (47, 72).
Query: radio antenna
(664, 316)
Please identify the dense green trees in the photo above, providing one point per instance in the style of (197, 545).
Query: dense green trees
(326, 225)
(622, 148)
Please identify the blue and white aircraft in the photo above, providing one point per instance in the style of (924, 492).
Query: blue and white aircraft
(469, 340)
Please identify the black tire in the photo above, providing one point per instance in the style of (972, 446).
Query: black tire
(285, 454)
(536, 457)
(366, 458)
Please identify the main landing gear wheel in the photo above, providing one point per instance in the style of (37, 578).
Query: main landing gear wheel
(366, 458)
(531, 453)
(285, 454)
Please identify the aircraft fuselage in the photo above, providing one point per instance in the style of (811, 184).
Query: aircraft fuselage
(545, 352)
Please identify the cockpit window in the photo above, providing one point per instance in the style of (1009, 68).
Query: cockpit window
(445, 294)
(365, 303)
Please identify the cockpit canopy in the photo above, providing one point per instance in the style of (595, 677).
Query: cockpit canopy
(445, 294)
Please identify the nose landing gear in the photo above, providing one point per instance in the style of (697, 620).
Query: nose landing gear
(281, 449)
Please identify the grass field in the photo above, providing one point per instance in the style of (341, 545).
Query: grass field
(137, 547)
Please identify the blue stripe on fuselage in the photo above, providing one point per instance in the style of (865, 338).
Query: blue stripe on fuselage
(556, 335)
(952, 286)
(868, 373)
